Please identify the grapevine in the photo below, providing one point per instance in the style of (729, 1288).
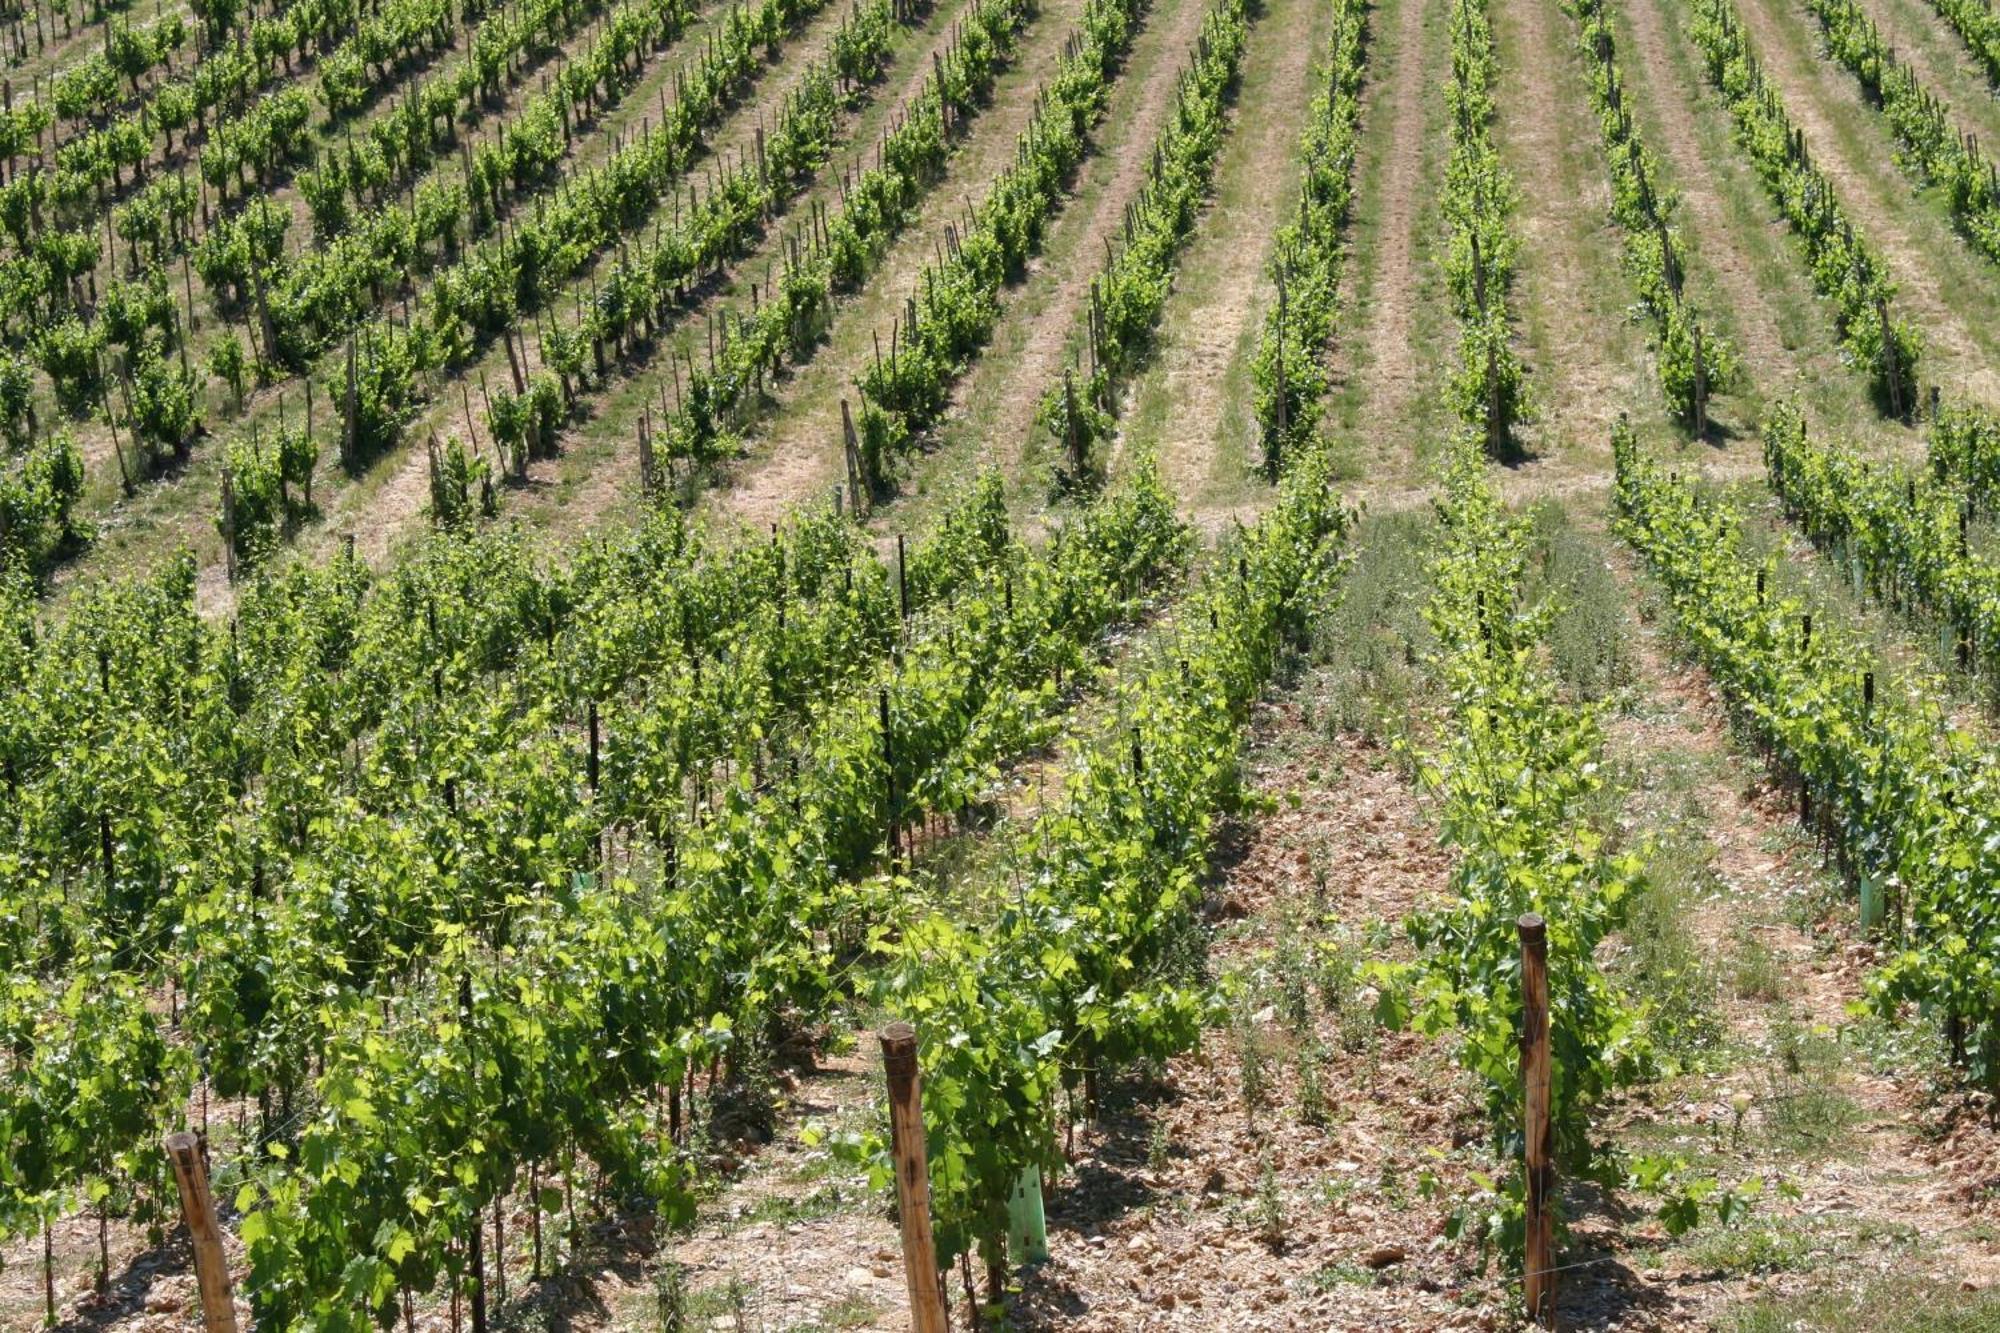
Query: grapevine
(1292, 379)
(1693, 362)
(1479, 194)
(1901, 794)
(1517, 770)
(1079, 977)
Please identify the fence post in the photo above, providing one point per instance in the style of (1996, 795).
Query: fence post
(218, 1310)
(857, 473)
(1538, 1267)
(1700, 387)
(913, 1181)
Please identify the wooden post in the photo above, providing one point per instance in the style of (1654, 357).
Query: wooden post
(1284, 399)
(218, 1311)
(592, 770)
(888, 775)
(350, 411)
(229, 524)
(1069, 421)
(1538, 1266)
(856, 473)
(1700, 386)
(1496, 429)
(1891, 372)
(913, 1182)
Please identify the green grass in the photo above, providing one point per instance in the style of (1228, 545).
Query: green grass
(1665, 966)
(824, 1201)
(712, 1304)
(1332, 1277)
(847, 1312)
(1589, 637)
(1871, 1305)
(1793, 1244)
(1754, 971)
(1804, 1111)
(1372, 645)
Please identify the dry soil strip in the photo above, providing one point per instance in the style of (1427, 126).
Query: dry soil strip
(1191, 407)
(1588, 359)
(1164, 1223)
(1380, 361)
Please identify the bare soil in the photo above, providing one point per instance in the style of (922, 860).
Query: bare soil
(1187, 1210)
(1588, 358)
(1704, 214)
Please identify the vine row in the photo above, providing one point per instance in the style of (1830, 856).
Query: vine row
(1490, 385)
(1904, 797)
(1845, 269)
(1692, 363)
(1289, 369)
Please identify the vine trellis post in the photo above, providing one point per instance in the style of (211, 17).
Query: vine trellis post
(913, 1183)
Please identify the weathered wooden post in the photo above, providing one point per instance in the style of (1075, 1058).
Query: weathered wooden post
(1538, 1266)
(913, 1182)
(857, 475)
(218, 1311)
(1700, 387)
(888, 773)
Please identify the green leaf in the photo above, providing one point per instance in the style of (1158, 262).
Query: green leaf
(254, 1227)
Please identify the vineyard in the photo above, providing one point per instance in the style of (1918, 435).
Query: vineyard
(805, 665)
